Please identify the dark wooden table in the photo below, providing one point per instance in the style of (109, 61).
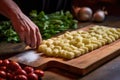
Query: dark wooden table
(108, 71)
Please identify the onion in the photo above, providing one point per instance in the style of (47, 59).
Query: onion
(76, 10)
(99, 16)
(84, 14)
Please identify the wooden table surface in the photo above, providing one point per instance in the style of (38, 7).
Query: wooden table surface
(108, 71)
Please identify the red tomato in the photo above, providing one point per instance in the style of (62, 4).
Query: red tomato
(40, 73)
(14, 66)
(9, 71)
(9, 76)
(5, 62)
(29, 69)
(1, 79)
(32, 76)
(3, 74)
(20, 71)
(1, 62)
(20, 77)
(3, 68)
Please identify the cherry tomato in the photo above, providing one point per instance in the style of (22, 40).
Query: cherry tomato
(20, 77)
(20, 71)
(1, 79)
(32, 76)
(14, 66)
(1, 62)
(9, 71)
(3, 74)
(29, 69)
(5, 62)
(3, 68)
(40, 73)
(9, 76)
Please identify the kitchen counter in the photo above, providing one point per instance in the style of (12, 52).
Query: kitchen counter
(108, 71)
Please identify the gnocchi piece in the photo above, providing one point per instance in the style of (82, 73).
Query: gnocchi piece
(48, 43)
(76, 53)
(74, 33)
(95, 46)
(118, 30)
(66, 54)
(56, 52)
(117, 33)
(48, 52)
(90, 47)
(67, 48)
(93, 38)
(82, 51)
(57, 42)
(80, 31)
(85, 35)
(51, 46)
(113, 30)
(70, 55)
(103, 41)
(109, 40)
(42, 47)
(93, 34)
(86, 49)
(98, 43)
(58, 47)
(99, 31)
(73, 47)
(113, 38)
(80, 44)
(99, 37)
(73, 42)
(70, 37)
(86, 41)
(62, 53)
(78, 38)
(109, 32)
(105, 35)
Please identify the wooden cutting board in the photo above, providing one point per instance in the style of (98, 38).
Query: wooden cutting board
(81, 65)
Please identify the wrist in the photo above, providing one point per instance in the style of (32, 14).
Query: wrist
(15, 14)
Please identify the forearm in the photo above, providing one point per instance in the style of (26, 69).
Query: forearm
(9, 9)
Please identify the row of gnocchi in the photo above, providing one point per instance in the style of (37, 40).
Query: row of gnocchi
(75, 43)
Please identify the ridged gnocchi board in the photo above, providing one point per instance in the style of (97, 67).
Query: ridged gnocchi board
(80, 65)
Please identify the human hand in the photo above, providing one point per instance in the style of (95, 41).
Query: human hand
(27, 30)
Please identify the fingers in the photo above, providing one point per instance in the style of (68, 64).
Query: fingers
(21, 35)
(39, 38)
(28, 31)
(27, 34)
(36, 38)
(32, 36)
(33, 39)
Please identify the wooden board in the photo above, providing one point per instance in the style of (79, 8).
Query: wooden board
(80, 66)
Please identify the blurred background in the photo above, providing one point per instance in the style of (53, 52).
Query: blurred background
(49, 6)
(112, 6)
